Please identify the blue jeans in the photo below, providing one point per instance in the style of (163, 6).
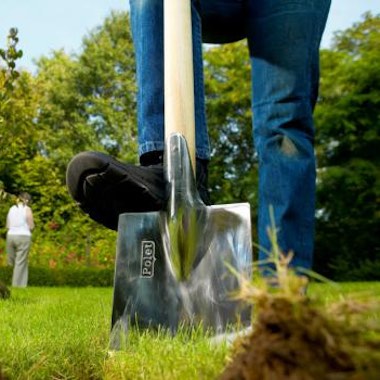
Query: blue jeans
(283, 38)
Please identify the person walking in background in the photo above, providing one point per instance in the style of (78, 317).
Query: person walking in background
(19, 224)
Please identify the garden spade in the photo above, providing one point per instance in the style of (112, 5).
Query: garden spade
(180, 266)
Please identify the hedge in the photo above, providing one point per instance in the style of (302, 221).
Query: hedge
(74, 277)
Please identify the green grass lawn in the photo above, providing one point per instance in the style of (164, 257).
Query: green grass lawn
(62, 333)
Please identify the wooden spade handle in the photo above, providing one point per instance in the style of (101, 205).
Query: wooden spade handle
(178, 72)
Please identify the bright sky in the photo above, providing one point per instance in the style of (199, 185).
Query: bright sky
(46, 25)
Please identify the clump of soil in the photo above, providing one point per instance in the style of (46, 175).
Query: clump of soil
(4, 291)
(2, 376)
(293, 339)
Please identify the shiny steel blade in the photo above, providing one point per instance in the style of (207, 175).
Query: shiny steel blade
(172, 266)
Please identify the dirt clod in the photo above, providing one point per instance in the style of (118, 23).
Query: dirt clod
(294, 340)
(4, 291)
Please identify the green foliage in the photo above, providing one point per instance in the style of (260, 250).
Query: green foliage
(233, 170)
(87, 102)
(9, 56)
(61, 120)
(72, 104)
(69, 276)
(368, 269)
(348, 142)
(227, 76)
(80, 243)
(17, 109)
(106, 81)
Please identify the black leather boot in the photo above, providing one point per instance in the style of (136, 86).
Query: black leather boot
(105, 187)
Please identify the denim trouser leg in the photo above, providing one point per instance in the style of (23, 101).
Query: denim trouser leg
(147, 31)
(284, 39)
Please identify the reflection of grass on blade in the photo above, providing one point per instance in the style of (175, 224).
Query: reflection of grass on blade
(183, 229)
(297, 337)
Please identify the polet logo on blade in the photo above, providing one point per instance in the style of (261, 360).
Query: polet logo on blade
(148, 250)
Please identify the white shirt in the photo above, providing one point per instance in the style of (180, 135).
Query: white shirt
(17, 223)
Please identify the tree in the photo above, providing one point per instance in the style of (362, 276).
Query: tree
(8, 72)
(17, 108)
(233, 173)
(84, 102)
(87, 103)
(106, 82)
(348, 142)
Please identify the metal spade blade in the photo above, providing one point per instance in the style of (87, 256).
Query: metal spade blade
(172, 265)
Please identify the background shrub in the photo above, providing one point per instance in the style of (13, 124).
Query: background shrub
(74, 277)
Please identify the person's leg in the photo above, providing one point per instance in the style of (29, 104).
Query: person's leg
(11, 250)
(105, 187)
(223, 20)
(147, 31)
(284, 38)
(20, 270)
